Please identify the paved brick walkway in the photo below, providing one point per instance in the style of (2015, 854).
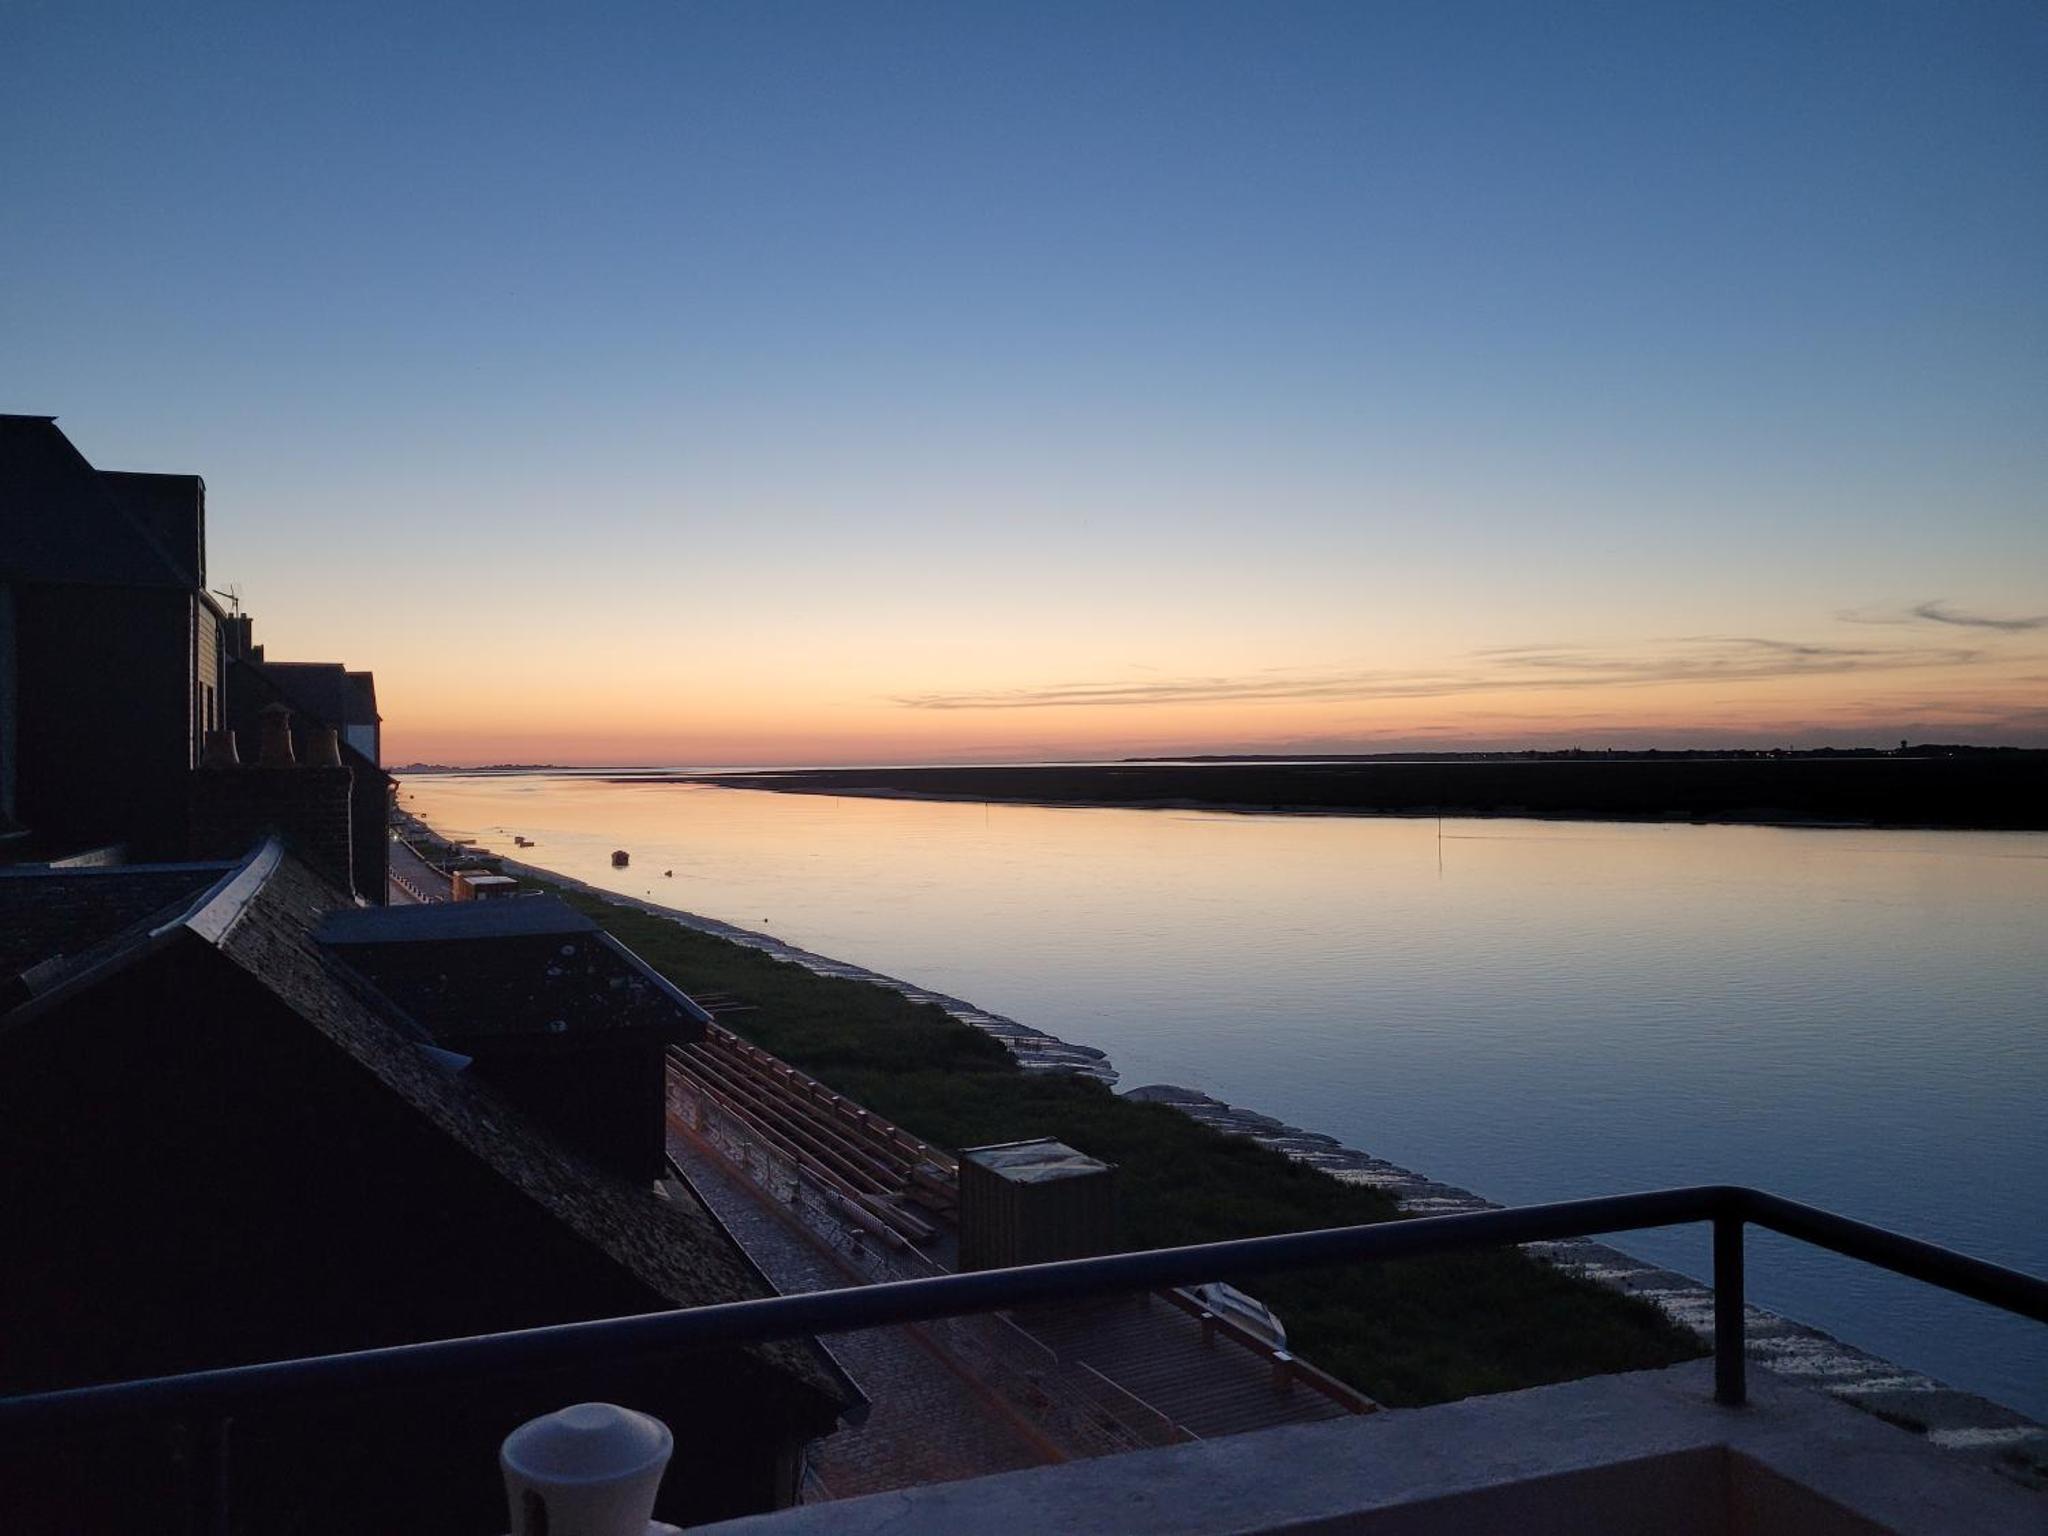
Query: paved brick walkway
(927, 1424)
(412, 878)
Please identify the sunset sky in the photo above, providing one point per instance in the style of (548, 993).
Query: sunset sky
(763, 383)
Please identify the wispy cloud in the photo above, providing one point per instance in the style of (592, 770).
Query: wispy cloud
(1690, 659)
(1942, 613)
(1875, 615)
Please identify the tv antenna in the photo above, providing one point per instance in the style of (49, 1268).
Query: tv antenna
(233, 593)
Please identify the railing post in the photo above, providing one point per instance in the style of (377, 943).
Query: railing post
(1283, 1370)
(1730, 1367)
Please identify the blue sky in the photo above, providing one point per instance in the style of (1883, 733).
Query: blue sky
(779, 364)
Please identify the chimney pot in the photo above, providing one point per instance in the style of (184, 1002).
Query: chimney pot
(323, 747)
(221, 750)
(277, 737)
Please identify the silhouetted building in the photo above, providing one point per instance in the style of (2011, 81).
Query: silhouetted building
(110, 647)
(320, 700)
(330, 692)
(118, 670)
(242, 1119)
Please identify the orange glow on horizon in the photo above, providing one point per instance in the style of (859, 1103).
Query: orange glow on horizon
(709, 727)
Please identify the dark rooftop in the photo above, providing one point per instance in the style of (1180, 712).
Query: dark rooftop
(53, 921)
(62, 524)
(672, 1247)
(530, 967)
(527, 917)
(327, 689)
(260, 916)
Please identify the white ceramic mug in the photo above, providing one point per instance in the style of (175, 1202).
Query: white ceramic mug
(590, 1470)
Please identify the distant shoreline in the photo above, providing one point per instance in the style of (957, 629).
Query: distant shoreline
(1987, 793)
(1223, 808)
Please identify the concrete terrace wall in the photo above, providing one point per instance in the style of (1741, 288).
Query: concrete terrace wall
(1644, 1451)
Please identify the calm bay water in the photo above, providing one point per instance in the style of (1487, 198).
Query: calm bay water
(1535, 1010)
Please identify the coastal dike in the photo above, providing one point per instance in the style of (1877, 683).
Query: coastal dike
(1957, 1421)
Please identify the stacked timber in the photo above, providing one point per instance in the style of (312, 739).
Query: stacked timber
(883, 1178)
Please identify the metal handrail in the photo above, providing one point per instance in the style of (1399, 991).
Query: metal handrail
(221, 1393)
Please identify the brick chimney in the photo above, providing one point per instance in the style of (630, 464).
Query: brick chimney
(323, 747)
(241, 638)
(276, 751)
(307, 803)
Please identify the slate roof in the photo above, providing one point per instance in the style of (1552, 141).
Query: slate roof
(59, 522)
(327, 689)
(261, 917)
(529, 966)
(56, 921)
(668, 1246)
(525, 918)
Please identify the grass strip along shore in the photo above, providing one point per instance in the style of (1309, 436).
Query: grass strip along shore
(1416, 1332)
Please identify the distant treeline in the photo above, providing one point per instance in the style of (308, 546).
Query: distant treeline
(1932, 787)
